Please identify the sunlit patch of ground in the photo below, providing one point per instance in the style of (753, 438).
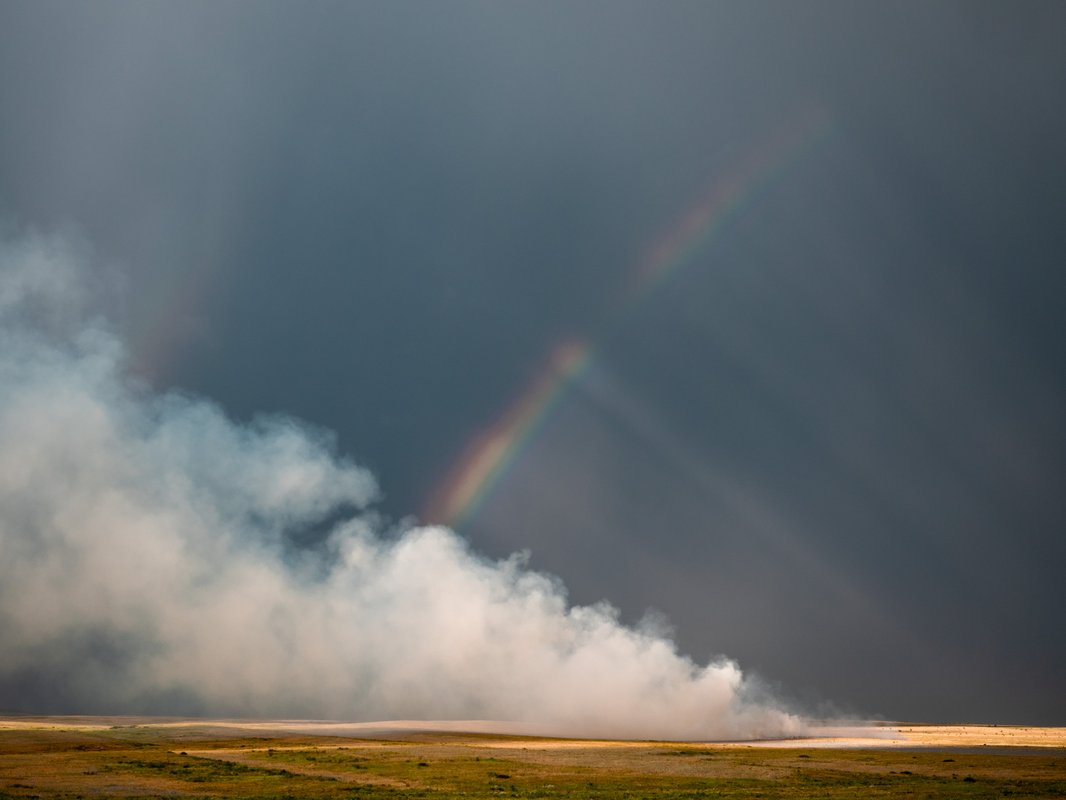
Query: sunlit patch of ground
(70, 758)
(910, 736)
(983, 735)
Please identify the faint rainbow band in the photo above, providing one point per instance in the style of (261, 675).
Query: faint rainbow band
(487, 457)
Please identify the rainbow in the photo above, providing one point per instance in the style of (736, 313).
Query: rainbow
(486, 458)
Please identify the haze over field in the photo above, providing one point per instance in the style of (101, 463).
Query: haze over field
(151, 563)
(745, 318)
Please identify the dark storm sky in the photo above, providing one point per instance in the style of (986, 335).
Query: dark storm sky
(832, 445)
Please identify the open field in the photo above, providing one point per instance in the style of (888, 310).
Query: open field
(126, 757)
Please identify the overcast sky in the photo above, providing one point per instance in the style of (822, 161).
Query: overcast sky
(830, 443)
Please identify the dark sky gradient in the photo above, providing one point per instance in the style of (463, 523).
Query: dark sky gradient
(832, 445)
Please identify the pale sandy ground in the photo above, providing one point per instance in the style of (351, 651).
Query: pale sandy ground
(919, 735)
(892, 735)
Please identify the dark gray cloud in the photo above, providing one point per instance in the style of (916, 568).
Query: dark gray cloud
(831, 445)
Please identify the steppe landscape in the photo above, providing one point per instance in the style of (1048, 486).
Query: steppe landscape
(80, 757)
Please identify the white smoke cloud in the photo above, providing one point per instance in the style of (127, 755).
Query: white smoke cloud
(147, 565)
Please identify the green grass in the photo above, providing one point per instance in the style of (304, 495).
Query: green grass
(132, 763)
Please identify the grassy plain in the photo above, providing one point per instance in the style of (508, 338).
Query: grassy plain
(132, 761)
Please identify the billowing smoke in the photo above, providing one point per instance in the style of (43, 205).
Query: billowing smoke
(150, 561)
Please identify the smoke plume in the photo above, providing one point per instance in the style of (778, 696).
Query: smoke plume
(151, 562)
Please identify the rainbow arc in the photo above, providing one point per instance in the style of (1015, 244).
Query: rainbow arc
(486, 459)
